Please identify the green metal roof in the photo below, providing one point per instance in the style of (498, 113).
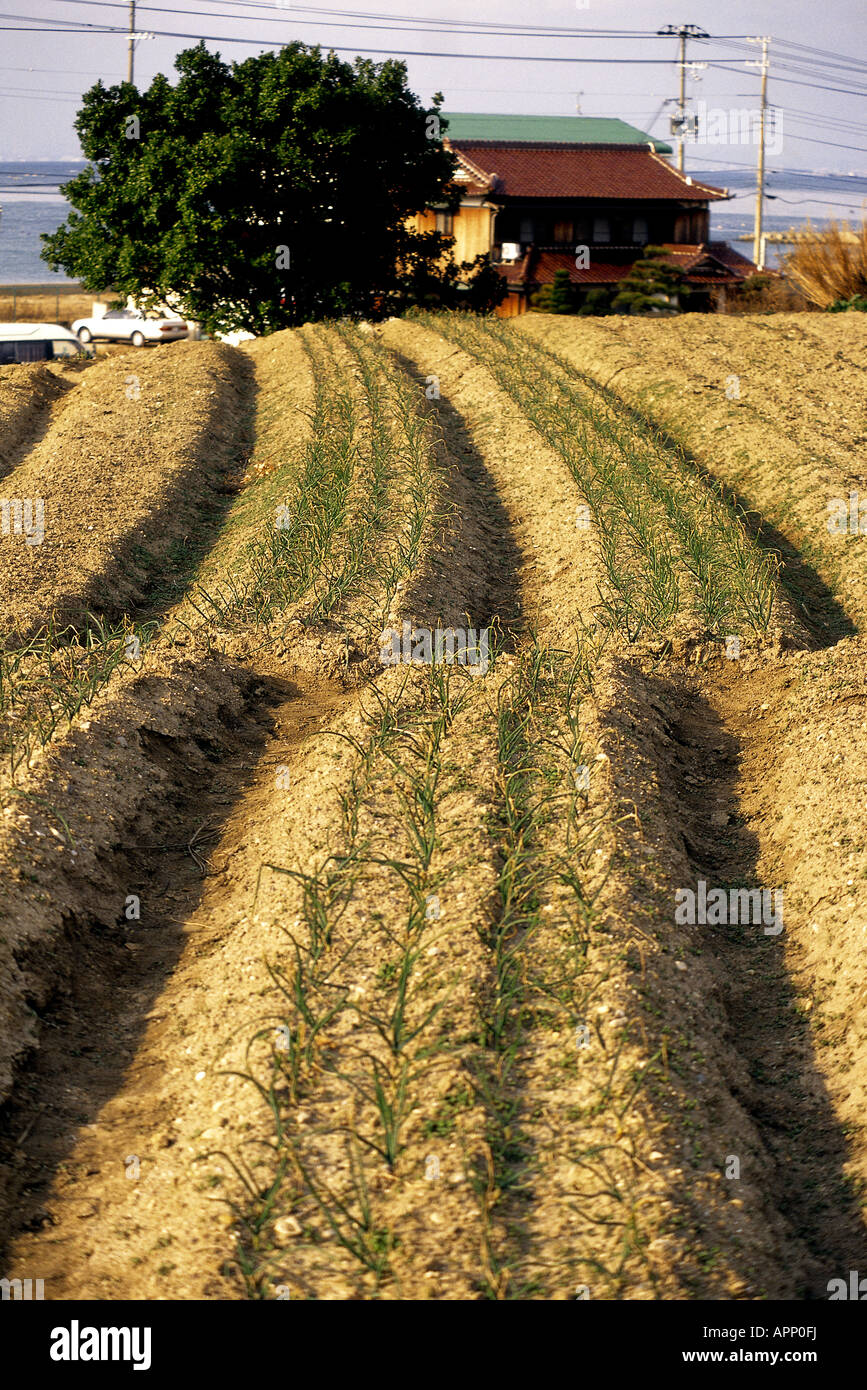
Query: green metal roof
(549, 130)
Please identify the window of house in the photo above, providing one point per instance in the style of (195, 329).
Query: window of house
(639, 231)
(445, 222)
(564, 231)
(526, 233)
(601, 229)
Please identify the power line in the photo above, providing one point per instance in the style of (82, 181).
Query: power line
(720, 64)
(803, 71)
(840, 123)
(33, 96)
(792, 113)
(421, 22)
(56, 92)
(792, 81)
(338, 48)
(431, 24)
(797, 202)
(418, 24)
(65, 72)
(815, 58)
(832, 144)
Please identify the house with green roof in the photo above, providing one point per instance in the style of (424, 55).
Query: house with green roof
(583, 194)
(551, 130)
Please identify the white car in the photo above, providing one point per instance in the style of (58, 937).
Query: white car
(128, 325)
(38, 342)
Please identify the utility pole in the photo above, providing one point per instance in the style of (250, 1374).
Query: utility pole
(130, 51)
(758, 239)
(683, 32)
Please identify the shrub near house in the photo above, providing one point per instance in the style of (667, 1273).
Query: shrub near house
(651, 287)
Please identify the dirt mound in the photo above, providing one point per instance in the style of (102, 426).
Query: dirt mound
(380, 973)
(27, 395)
(121, 477)
(70, 825)
(773, 409)
(712, 763)
(530, 507)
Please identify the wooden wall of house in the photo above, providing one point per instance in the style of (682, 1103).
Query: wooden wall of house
(692, 227)
(472, 232)
(471, 229)
(511, 306)
(422, 222)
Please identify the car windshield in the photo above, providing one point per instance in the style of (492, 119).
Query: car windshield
(17, 350)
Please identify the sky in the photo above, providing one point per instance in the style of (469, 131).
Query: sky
(483, 57)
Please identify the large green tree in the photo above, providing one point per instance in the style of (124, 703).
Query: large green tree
(258, 194)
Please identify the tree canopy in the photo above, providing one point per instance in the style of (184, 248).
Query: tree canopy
(259, 194)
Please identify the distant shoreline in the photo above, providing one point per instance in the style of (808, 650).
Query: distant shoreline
(42, 287)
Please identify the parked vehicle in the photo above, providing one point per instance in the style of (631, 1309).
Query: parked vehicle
(38, 342)
(128, 325)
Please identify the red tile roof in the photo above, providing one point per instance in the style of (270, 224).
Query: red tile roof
(580, 171)
(688, 257)
(540, 267)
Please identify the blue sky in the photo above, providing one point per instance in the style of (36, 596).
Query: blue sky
(821, 93)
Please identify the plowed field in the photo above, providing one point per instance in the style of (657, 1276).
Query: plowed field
(434, 807)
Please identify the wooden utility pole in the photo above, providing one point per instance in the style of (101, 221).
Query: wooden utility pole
(683, 32)
(130, 51)
(758, 240)
(681, 104)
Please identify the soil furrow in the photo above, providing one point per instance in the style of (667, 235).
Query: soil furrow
(135, 1100)
(754, 416)
(337, 978)
(559, 566)
(148, 1000)
(125, 485)
(31, 397)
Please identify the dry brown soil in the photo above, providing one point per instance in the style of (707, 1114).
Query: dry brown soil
(593, 1099)
(125, 469)
(773, 407)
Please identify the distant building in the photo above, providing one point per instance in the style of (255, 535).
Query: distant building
(585, 194)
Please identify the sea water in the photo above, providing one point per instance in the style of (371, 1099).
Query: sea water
(31, 203)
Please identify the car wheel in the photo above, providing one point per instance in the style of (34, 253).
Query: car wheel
(85, 335)
(137, 339)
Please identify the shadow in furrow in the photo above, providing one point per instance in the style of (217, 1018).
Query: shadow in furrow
(814, 602)
(478, 561)
(30, 429)
(153, 565)
(108, 972)
(778, 1082)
